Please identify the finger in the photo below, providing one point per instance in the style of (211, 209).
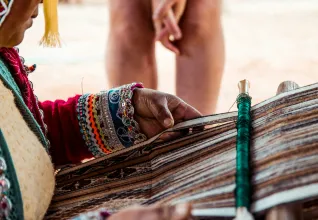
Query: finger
(162, 9)
(169, 45)
(158, 29)
(161, 112)
(181, 110)
(172, 25)
(149, 127)
(189, 112)
(182, 212)
(179, 9)
(161, 34)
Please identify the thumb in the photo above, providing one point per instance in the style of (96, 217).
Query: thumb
(182, 212)
(162, 113)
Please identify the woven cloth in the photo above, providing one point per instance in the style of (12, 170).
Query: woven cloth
(199, 167)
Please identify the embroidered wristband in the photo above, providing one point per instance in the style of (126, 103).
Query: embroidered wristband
(107, 120)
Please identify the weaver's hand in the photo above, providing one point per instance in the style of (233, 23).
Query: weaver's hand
(156, 111)
(166, 16)
(179, 212)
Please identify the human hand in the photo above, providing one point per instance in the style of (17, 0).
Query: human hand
(179, 212)
(156, 111)
(166, 16)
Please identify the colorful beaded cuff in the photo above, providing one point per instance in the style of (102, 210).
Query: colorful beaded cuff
(100, 214)
(106, 120)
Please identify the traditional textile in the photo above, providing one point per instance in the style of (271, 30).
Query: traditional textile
(67, 144)
(100, 214)
(24, 151)
(10, 193)
(5, 6)
(60, 124)
(106, 120)
(200, 166)
(23, 85)
(27, 176)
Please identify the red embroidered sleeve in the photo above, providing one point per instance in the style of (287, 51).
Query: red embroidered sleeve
(67, 144)
(91, 125)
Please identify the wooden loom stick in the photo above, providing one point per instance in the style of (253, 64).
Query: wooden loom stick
(242, 190)
(292, 211)
(242, 177)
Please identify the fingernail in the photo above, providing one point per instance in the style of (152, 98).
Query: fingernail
(168, 122)
(182, 210)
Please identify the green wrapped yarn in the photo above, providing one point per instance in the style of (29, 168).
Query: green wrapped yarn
(242, 192)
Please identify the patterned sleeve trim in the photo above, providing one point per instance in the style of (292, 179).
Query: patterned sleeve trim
(106, 120)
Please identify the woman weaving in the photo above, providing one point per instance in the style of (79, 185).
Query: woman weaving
(35, 135)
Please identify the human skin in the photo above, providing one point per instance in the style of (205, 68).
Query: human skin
(199, 56)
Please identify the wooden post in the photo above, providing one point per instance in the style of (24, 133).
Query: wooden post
(285, 212)
(286, 86)
(292, 211)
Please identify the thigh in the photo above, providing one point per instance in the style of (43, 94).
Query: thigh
(135, 14)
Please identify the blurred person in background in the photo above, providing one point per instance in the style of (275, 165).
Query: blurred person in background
(189, 28)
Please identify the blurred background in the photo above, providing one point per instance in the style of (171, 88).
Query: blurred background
(267, 42)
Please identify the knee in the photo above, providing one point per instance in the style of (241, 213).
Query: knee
(202, 21)
(136, 30)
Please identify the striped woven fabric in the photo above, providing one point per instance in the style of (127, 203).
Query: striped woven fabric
(199, 165)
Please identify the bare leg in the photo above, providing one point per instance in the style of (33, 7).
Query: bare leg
(200, 66)
(131, 46)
